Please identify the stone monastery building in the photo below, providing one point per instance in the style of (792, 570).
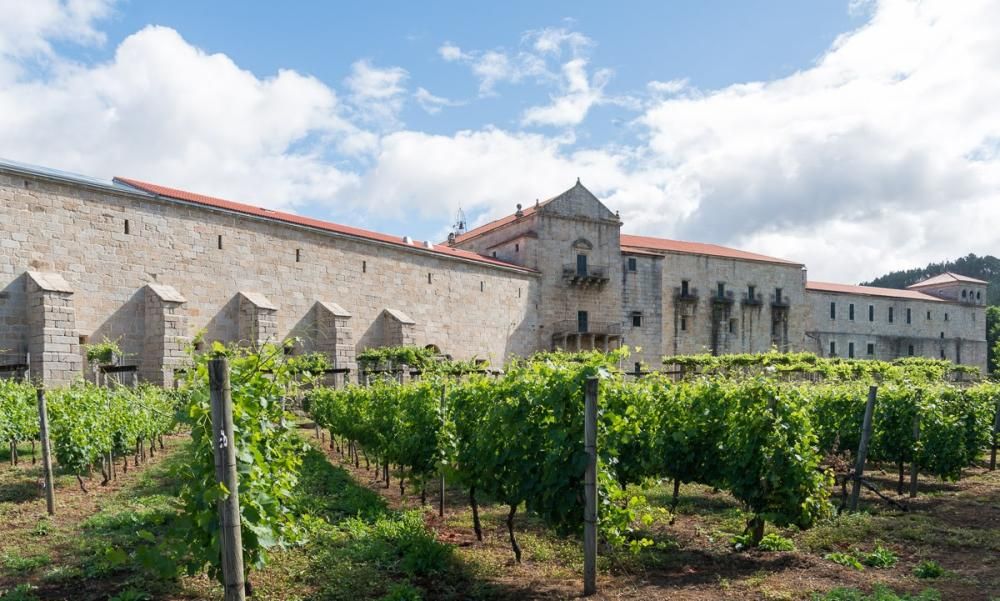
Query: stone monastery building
(82, 260)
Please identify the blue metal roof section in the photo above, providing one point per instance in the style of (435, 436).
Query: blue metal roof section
(66, 176)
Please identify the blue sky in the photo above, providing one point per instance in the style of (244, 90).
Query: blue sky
(855, 136)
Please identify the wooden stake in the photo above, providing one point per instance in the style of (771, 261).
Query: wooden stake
(996, 435)
(225, 474)
(444, 392)
(590, 487)
(43, 432)
(866, 434)
(913, 460)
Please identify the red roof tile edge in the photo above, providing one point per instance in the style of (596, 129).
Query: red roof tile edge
(281, 216)
(649, 243)
(871, 291)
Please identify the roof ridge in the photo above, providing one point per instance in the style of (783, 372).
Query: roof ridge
(312, 222)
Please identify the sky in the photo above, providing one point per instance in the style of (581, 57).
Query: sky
(855, 136)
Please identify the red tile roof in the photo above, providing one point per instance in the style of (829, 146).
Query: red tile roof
(497, 223)
(871, 291)
(630, 243)
(228, 205)
(946, 278)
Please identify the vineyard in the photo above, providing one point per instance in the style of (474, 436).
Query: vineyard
(341, 475)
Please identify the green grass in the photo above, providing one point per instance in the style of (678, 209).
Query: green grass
(879, 593)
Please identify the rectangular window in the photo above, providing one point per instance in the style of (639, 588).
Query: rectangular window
(751, 292)
(126, 226)
(850, 311)
(777, 295)
(632, 264)
(928, 315)
(482, 286)
(909, 316)
(946, 317)
(833, 348)
(720, 289)
(636, 320)
(517, 248)
(298, 255)
(850, 350)
(219, 242)
(871, 349)
(684, 287)
(891, 315)
(833, 310)
(732, 326)
(364, 267)
(581, 321)
(581, 265)
(871, 312)
(909, 350)
(429, 278)
(684, 323)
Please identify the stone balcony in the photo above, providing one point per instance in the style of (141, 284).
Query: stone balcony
(598, 335)
(686, 296)
(592, 275)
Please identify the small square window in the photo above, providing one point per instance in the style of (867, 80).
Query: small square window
(636, 320)
(632, 264)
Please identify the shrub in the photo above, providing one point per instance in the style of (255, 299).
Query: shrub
(928, 569)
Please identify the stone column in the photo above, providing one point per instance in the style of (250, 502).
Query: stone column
(334, 336)
(397, 328)
(53, 342)
(165, 336)
(258, 320)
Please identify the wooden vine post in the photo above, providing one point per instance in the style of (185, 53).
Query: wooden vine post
(996, 434)
(913, 461)
(866, 435)
(225, 474)
(590, 487)
(43, 434)
(444, 393)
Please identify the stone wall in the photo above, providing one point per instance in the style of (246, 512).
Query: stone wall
(467, 309)
(933, 328)
(738, 324)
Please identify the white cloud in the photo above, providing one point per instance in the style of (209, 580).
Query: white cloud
(431, 103)
(883, 154)
(551, 40)
(378, 94)
(452, 53)
(869, 149)
(165, 111)
(580, 93)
